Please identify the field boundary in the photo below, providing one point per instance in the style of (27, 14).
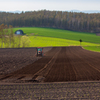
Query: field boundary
(90, 50)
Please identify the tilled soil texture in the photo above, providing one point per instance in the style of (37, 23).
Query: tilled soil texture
(60, 64)
(50, 91)
(15, 58)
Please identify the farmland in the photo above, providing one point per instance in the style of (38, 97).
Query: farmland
(76, 63)
(45, 37)
(49, 37)
(66, 71)
(59, 33)
(37, 41)
(12, 59)
(92, 48)
(60, 64)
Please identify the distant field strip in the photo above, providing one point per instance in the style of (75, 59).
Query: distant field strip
(49, 41)
(47, 37)
(59, 33)
(39, 41)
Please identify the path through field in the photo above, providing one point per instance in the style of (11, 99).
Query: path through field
(60, 64)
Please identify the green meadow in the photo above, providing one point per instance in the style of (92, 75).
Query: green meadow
(63, 34)
(48, 37)
(38, 41)
(92, 48)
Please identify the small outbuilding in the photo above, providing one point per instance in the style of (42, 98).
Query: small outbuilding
(19, 32)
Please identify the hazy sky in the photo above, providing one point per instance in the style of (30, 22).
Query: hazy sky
(63, 5)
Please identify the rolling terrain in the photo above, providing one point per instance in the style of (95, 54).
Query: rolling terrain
(63, 73)
(60, 64)
(45, 37)
(12, 59)
(60, 33)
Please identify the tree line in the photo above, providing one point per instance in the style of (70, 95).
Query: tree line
(55, 19)
(9, 40)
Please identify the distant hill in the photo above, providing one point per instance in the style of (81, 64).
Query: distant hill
(68, 20)
(86, 11)
(17, 11)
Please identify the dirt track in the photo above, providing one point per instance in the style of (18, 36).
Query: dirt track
(59, 65)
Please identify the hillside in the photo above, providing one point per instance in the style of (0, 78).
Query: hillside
(63, 34)
(73, 21)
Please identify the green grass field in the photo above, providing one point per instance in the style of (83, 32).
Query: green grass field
(63, 34)
(92, 48)
(47, 37)
(38, 41)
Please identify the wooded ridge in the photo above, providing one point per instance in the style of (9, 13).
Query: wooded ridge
(55, 19)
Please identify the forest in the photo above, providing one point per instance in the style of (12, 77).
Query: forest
(73, 21)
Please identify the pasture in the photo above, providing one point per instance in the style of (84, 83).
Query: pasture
(57, 37)
(59, 33)
(37, 41)
(48, 37)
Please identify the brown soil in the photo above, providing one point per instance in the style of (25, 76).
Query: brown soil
(60, 64)
(16, 58)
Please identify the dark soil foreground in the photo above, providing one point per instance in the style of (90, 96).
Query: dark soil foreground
(60, 64)
(64, 73)
(17, 58)
(51, 91)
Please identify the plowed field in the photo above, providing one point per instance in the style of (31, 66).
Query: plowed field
(60, 64)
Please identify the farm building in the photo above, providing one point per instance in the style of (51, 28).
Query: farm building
(19, 32)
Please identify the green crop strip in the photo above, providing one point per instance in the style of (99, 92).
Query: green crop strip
(48, 41)
(59, 33)
(46, 37)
